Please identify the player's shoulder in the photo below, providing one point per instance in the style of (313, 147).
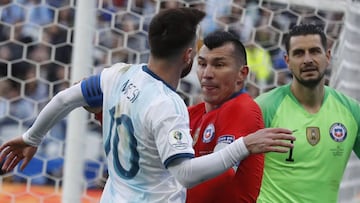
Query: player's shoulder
(119, 68)
(164, 99)
(111, 74)
(239, 107)
(239, 102)
(277, 91)
(273, 96)
(197, 108)
(341, 97)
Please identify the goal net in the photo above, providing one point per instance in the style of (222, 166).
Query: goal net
(36, 50)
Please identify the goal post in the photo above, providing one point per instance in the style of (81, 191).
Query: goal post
(76, 130)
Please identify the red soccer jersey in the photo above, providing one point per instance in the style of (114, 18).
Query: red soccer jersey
(237, 117)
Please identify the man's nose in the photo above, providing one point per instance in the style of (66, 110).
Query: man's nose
(308, 58)
(208, 71)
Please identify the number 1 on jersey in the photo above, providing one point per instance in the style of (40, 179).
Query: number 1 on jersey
(290, 158)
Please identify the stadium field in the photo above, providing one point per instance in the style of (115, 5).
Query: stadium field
(17, 192)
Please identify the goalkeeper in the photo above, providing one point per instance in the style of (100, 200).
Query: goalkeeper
(327, 124)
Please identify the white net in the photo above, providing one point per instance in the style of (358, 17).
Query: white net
(344, 77)
(36, 41)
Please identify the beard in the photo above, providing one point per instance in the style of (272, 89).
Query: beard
(187, 69)
(310, 83)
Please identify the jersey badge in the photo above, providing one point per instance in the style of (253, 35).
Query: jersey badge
(209, 133)
(227, 139)
(338, 132)
(178, 139)
(313, 135)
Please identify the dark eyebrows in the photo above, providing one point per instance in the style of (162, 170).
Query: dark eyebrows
(318, 49)
(297, 51)
(301, 50)
(216, 59)
(200, 58)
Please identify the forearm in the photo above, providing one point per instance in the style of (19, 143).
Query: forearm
(190, 172)
(58, 107)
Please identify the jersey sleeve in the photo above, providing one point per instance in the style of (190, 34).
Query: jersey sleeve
(170, 126)
(246, 118)
(91, 91)
(94, 86)
(355, 109)
(270, 101)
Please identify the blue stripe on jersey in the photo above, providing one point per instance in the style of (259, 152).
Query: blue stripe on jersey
(176, 156)
(91, 91)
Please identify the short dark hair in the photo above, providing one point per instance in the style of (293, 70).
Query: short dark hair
(219, 38)
(305, 29)
(171, 30)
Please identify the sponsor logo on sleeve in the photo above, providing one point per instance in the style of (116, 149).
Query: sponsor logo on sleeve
(226, 139)
(178, 139)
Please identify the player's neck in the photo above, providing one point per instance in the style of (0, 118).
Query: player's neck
(209, 107)
(310, 98)
(169, 72)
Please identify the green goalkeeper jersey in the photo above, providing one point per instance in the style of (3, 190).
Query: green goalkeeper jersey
(312, 171)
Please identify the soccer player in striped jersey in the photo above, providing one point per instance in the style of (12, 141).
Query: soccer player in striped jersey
(227, 113)
(325, 121)
(145, 122)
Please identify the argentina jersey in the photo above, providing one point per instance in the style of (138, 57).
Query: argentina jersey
(145, 127)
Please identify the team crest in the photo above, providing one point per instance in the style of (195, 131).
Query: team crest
(178, 139)
(313, 135)
(209, 133)
(338, 132)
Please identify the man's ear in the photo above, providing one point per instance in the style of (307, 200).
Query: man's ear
(328, 54)
(286, 59)
(243, 73)
(188, 55)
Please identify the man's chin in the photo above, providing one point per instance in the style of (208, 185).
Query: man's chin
(310, 82)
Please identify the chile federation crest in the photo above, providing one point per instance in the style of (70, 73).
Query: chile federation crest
(338, 132)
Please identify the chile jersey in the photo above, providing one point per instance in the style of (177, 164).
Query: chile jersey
(237, 117)
(313, 169)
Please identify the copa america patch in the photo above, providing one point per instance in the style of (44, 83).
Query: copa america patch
(209, 133)
(338, 132)
(178, 139)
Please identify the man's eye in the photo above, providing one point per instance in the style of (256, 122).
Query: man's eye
(201, 64)
(297, 53)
